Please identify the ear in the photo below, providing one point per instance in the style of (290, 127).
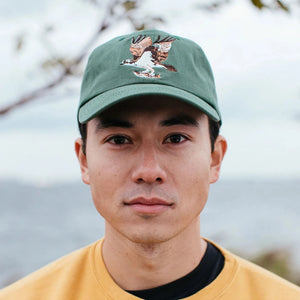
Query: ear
(217, 158)
(82, 161)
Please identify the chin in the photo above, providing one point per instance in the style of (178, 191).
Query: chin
(150, 237)
(146, 239)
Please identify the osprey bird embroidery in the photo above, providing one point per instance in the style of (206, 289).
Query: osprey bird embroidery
(148, 55)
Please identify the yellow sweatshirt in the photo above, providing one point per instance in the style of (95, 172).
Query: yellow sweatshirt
(82, 275)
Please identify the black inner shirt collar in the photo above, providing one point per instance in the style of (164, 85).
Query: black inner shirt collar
(208, 269)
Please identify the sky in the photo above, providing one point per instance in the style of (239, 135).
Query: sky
(255, 56)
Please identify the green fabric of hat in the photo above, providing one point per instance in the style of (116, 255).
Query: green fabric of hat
(149, 62)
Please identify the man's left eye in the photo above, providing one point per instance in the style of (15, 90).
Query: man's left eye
(175, 139)
(119, 140)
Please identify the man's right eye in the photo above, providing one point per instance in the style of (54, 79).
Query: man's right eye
(118, 140)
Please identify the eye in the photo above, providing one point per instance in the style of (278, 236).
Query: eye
(175, 138)
(118, 140)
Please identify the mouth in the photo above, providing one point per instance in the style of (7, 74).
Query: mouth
(149, 206)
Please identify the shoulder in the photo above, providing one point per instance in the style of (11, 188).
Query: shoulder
(254, 281)
(48, 279)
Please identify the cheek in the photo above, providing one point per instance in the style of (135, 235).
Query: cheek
(103, 186)
(198, 181)
(106, 178)
(103, 167)
(196, 166)
(103, 180)
(194, 180)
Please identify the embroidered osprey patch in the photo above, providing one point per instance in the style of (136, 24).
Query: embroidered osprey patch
(148, 55)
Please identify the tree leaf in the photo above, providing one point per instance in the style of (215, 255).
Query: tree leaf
(129, 5)
(258, 4)
(282, 6)
(140, 26)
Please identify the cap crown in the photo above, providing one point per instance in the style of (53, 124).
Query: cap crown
(147, 62)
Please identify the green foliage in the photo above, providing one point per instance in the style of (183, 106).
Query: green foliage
(283, 6)
(258, 4)
(278, 262)
(129, 5)
(276, 4)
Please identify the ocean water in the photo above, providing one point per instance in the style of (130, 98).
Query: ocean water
(40, 224)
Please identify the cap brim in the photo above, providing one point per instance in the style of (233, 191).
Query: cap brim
(103, 101)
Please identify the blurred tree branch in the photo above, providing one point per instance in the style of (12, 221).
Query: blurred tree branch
(259, 4)
(116, 11)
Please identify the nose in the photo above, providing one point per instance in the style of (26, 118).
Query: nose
(148, 168)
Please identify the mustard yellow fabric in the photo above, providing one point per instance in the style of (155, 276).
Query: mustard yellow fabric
(82, 275)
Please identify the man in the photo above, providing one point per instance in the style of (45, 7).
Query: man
(149, 149)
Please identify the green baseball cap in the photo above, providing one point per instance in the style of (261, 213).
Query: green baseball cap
(148, 62)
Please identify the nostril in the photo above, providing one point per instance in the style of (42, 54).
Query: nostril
(140, 180)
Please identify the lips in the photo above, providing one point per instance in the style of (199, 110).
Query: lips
(150, 206)
(148, 201)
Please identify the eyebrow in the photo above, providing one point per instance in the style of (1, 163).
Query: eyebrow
(106, 123)
(181, 119)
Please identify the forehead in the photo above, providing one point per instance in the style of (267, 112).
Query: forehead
(153, 106)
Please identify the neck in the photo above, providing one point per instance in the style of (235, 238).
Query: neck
(152, 264)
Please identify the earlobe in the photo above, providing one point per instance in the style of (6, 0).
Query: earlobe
(82, 161)
(217, 158)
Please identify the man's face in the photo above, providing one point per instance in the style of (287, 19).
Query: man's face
(149, 165)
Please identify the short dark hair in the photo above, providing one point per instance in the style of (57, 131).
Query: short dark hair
(214, 128)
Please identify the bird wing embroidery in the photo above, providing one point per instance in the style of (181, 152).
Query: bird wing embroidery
(139, 45)
(148, 55)
(162, 48)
